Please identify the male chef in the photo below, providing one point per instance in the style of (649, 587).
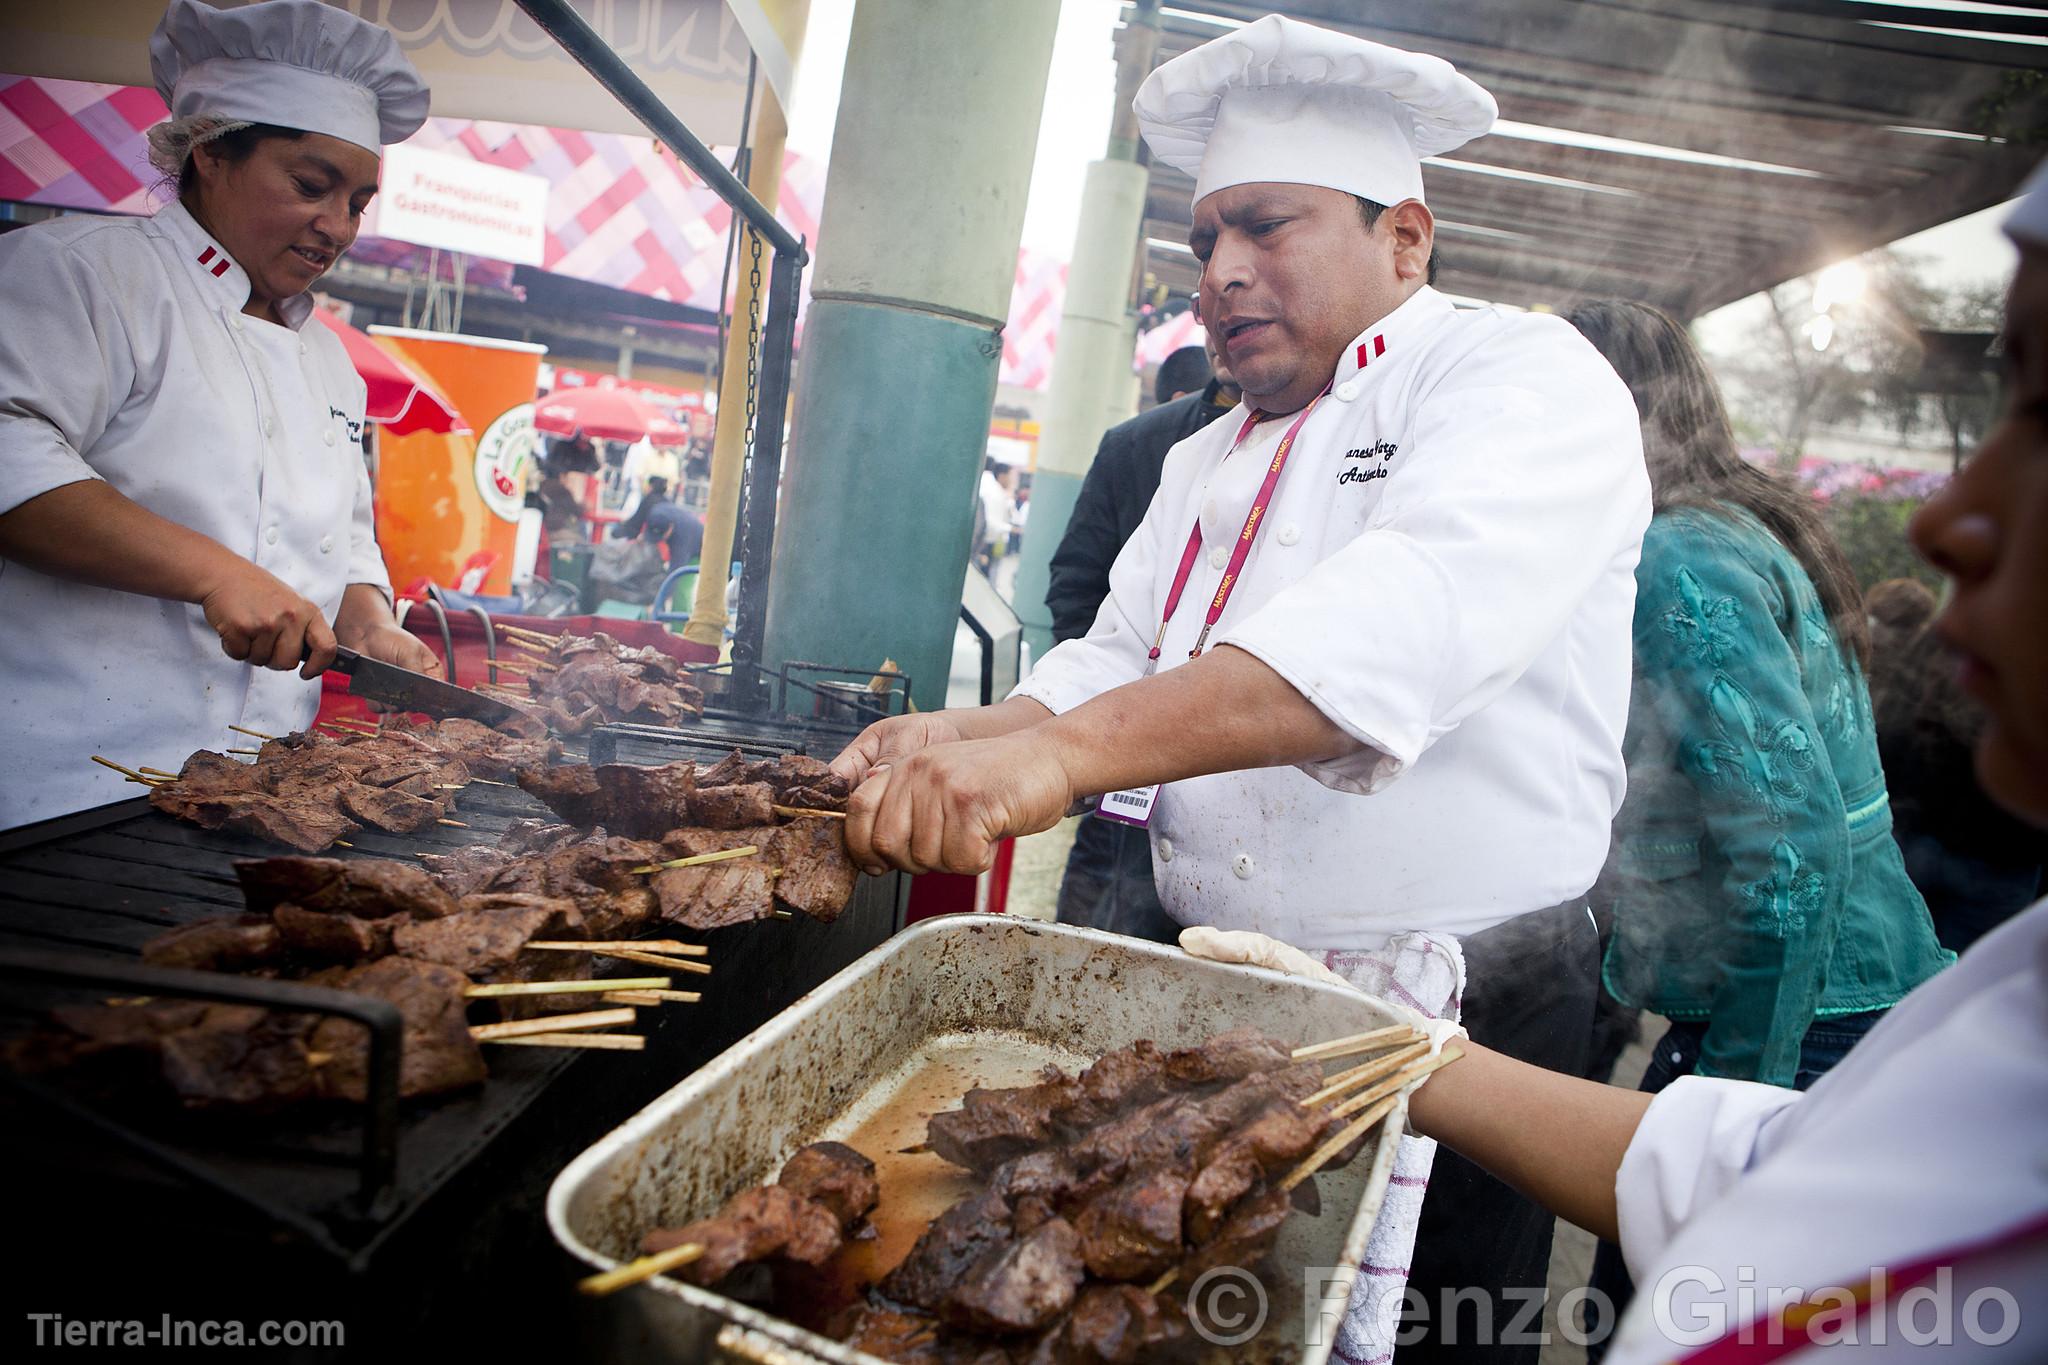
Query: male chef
(1364, 665)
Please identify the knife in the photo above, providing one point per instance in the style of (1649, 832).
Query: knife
(410, 691)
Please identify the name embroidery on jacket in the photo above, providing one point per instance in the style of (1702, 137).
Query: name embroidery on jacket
(355, 429)
(1381, 450)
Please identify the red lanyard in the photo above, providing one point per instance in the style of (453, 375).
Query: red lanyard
(1243, 548)
(1779, 1335)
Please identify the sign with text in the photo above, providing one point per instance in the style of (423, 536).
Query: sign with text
(432, 199)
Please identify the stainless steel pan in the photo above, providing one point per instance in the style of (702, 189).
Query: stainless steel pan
(965, 999)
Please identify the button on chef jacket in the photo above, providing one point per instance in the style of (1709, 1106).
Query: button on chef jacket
(1928, 1141)
(125, 357)
(1446, 572)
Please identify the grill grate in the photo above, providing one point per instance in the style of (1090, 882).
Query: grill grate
(93, 887)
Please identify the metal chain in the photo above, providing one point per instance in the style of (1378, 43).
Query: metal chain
(753, 398)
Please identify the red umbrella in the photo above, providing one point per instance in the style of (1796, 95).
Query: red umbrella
(402, 399)
(608, 414)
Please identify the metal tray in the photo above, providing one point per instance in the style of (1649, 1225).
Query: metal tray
(956, 1001)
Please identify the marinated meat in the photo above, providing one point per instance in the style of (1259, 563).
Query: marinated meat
(334, 936)
(992, 1126)
(767, 1221)
(716, 895)
(1228, 1057)
(814, 875)
(1131, 1231)
(1020, 1287)
(1245, 1236)
(437, 1053)
(946, 1251)
(199, 1053)
(468, 869)
(307, 790)
(836, 1176)
(1276, 1139)
(570, 790)
(585, 681)
(1115, 1324)
(233, 943)
(487, 938)
(537, 836)
(388, 809)
(296, 824)
(734, 807)
(373, 888)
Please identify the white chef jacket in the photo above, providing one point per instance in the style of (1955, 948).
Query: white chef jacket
(1932, 1134)
(125, 356)
(1447, 571)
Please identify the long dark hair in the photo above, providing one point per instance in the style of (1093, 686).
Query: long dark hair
(1690, 447)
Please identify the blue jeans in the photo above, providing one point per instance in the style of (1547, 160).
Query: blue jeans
(1678, 1054)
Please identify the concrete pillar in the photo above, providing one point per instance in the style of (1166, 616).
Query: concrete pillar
(924, 206)
(1092, 385)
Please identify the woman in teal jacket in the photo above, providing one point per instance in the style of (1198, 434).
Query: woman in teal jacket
(1760, 902)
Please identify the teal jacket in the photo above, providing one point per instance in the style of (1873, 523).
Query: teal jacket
(1756, 885)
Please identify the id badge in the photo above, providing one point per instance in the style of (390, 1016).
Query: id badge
(1133, 807)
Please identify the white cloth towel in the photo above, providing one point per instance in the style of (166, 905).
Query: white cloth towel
(1425, 972)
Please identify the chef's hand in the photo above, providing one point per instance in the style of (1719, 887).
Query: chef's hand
(264, 622)
(943, 808)
(397, 645)
(893, 740)
(1258, 950)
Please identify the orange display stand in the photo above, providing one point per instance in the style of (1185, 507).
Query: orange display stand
(442, 500)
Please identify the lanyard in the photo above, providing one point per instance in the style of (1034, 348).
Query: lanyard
(1239, 552)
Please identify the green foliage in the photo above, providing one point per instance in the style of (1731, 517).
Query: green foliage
(1872, 533)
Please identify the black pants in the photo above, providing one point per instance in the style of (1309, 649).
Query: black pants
(1109, 883)
(1482, 1251)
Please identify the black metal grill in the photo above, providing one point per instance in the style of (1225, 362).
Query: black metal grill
(307, 1194)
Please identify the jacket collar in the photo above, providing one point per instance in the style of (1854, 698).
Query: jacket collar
(1371, 349)
(218, 275)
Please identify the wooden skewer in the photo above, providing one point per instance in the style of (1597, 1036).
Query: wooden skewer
(1368, 1071)
(784, 914)
(456, 823)
(806, 810)
(154, 772)
(1158, 1286)
(626, 983)
(1398, 1082)
(1356, 1043)
(1361, 1125)
(650, 997)
(595, 1042)
(645, 1268)
(124, 771)
(673, 964)
(245, 730)
(351, 723)
(541, 638)
(343, 843)
(744, 850)
(251, 752)
(449, 786)
(491, 782)
(551, 1023)
(672, 946)
(151, 781)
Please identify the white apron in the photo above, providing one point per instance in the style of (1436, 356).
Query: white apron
(124, 356)
(1447, 571)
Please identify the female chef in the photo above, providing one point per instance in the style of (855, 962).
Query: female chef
(183, 501)
(1902, 1202)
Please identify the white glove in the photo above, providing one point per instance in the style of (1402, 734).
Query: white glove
(1259, 950)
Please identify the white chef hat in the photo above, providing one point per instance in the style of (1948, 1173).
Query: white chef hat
(1284, 101)
(294, 63)
(2028, 222)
